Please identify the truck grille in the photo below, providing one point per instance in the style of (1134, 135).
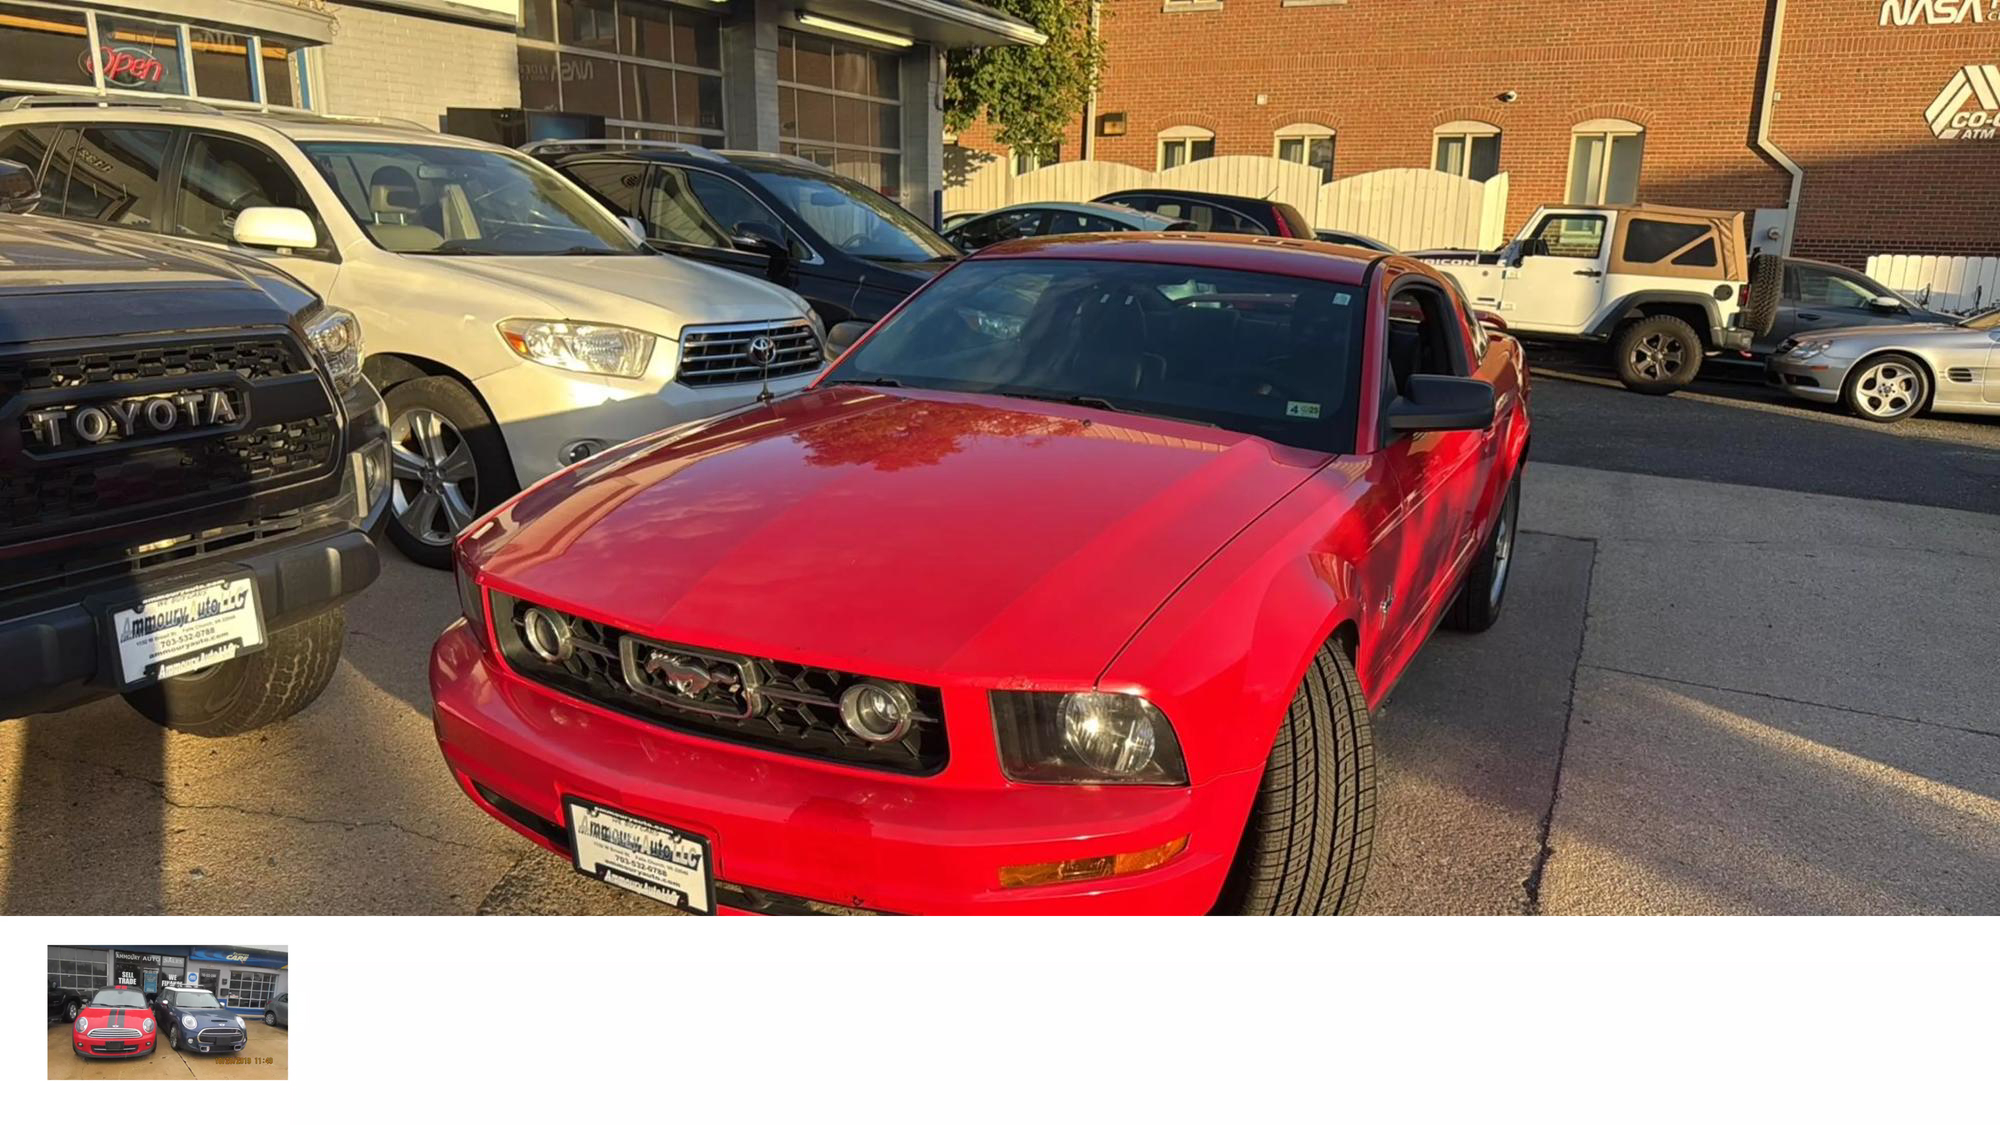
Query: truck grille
(796, 709)
(723, 354)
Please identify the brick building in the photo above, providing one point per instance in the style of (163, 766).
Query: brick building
(1588, 100)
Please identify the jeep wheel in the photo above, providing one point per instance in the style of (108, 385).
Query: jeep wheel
(447, 464)
(273, 683)
(1886, 390)
(1767, 291)
(1477, 606)
(1658, 355)
(1305, 849)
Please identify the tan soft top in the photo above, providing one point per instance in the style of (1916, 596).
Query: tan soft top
(1726, 227)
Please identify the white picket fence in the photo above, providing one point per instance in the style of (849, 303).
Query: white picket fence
(1410, 208)
(1946, 284)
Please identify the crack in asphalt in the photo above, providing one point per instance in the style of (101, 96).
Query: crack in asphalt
(1532, 885)
(1790, 699)
(168, 799)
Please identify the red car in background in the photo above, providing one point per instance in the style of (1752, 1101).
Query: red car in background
(116, 1023)
(1069, 587)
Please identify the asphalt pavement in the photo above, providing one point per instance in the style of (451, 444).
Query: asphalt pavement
(1745, 666)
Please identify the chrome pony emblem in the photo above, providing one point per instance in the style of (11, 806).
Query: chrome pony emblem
(712, 683)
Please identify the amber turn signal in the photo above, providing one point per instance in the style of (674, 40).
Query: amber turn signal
(1097, 867)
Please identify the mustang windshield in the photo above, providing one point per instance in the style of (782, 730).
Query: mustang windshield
(117, 998)
(1277, 357)
(442, 199)
(193, 1000)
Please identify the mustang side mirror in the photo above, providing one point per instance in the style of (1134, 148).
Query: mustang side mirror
(1442, 402)
(286, 228)
(18, 191)
(841, 336)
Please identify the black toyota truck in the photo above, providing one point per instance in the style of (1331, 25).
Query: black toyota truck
(188, 458)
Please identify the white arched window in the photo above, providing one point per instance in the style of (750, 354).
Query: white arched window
(1604, 158)
(1466, 148)
(1184, 144)
(1306, 144)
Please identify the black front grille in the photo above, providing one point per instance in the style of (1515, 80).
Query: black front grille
(114, 1047)
(798, 711)
(222, 1035)
(255, 358)
(722, 354)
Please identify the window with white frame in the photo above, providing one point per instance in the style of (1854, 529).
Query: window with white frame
(72, 970)
(244, 988)
(58, 48)
(1185, 144)
(654, 71)
(1026, 161)
(1311, 145)
(1604, 158)
(1466, 148)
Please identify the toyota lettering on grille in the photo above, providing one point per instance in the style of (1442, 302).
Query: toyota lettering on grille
(73, 426)
(691, 679)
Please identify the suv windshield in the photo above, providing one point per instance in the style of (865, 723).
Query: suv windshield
(1278, 357)
(117, 998)
(441, 199)
(852, 217)
(192, 1000)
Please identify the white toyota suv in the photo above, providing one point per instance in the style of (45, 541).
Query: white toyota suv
(489, 289)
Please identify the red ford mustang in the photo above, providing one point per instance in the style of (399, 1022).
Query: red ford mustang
(1068, 588)
(116, 1023)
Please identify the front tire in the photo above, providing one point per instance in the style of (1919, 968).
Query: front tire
(174, 1038)
(270, 1019)
(71, 1010)
(1887, 390)
(252, 691)
(1306, 847)
(447, 465)
(1477, 606)
(1658, 355)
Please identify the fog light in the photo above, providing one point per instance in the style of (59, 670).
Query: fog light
(877, 711)
(548, 634)
(1098, 867)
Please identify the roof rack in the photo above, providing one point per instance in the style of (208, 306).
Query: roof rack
(585, 144)
(787, 157)
(190, 105)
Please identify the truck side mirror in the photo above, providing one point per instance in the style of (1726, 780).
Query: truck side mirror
(278, 228)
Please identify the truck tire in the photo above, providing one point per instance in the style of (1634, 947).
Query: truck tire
(1767, 291)
(447, 465)
(1657, 355)
(1477, 606)
(1306, 847)
(273, 683)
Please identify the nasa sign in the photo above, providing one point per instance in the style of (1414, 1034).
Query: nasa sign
(1935, 13)
(1968, 108)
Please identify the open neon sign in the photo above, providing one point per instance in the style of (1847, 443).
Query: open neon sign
(129, 67)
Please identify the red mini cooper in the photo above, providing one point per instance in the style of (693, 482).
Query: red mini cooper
(116, 1023)
(1069, 587)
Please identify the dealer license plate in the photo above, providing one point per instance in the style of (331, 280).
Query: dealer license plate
(174, 634)
(668, 864)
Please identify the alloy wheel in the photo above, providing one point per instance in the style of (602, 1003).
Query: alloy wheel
(1658, 357)
(270, 1019)
(1503, 546)
(1887, 390)
(433, 480)
(73, 1009)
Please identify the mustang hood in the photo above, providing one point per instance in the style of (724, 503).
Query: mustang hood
(904, 533)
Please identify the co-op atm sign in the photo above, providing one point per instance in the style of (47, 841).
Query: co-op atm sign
(1968, 108)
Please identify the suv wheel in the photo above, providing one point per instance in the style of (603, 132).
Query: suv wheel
(1887, 390)
(1305, 849)
(1658, 355)
(273, 683)
(447, 464)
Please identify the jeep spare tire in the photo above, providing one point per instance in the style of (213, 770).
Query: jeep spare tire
(1767, 289)
(1658, 355)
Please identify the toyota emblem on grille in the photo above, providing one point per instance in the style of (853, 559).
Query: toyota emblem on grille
(691, 679)
(762, 350)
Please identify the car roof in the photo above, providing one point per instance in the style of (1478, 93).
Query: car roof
(1254, 253)
(1206, 196)
(296, 126)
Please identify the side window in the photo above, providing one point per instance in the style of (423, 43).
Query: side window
(1229, 222)
(222, 176)
(1568, 236)
(728, 206)
(999, 228)
(1827, 289)
(108, 175)
(1651, 240)
(1426, 335)
(615, 183)
(1075, 222)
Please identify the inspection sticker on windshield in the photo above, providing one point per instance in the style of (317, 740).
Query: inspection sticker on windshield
(651, 859)
(174, 634)
(1302, 409)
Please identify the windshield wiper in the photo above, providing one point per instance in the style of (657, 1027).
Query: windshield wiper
(1097, 403)
(452, 251)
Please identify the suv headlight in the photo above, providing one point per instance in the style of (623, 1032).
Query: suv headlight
(336, 336)
(1086, 737)
(594, 349)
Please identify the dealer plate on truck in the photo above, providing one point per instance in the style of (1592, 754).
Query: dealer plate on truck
(170, 635)
(661, 862)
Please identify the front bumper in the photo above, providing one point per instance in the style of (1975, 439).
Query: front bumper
(785, 831)
(59, 655)
(1817, 379)
(112, 1048)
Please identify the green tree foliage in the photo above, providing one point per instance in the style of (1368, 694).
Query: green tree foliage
(1030, 95)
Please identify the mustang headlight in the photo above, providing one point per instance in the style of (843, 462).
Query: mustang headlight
(595, 349)
(1089, 737)
(146, 1025)
(187, 1022)
(336, 336)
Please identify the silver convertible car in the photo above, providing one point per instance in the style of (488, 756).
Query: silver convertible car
(1886, 373)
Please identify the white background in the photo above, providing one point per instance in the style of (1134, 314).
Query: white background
(1036, 1020)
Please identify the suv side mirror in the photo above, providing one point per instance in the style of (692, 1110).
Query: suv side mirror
(841, 336)
(759, 238)
(18, 190)
(637, 228)
(1886, 304)
(1442, 402)
(278, 228)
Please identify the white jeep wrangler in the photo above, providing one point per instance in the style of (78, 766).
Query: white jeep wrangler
(1662, 284)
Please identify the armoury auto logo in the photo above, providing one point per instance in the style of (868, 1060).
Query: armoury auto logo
(1968, 108)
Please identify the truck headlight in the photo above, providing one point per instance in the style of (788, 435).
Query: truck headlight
(594, 349)
(336, 336)
(1087, 737)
